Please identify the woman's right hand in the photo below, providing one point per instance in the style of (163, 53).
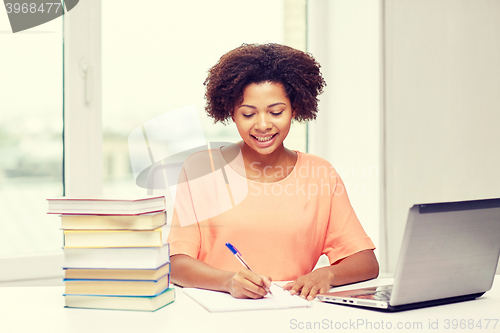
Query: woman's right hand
(247, 284)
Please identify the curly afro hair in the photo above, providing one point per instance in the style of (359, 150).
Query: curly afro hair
(298, 72)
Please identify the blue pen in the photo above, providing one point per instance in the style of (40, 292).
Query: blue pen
(238, 256)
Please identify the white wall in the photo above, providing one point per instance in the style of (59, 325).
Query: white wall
(413, 91)
(442, 97)
(345, 38)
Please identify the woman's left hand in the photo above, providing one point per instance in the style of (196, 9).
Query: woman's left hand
(307, 286)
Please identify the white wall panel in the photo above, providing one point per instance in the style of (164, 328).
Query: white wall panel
(345, 38)
(442, 93)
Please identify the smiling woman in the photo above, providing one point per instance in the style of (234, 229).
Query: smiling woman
(262, 87)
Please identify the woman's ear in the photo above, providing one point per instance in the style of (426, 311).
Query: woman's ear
(231, 111)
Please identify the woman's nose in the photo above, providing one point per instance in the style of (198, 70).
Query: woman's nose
(263, 123)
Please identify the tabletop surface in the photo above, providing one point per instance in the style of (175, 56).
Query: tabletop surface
(41, 309)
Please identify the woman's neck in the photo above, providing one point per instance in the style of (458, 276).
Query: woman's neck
(270, 167)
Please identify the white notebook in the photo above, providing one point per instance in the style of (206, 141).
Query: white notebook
(216, 301)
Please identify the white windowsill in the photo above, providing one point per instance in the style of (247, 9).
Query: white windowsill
(31, 270)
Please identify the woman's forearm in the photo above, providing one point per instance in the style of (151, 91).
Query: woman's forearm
(354, 268)
(193, 273)
(357, 267)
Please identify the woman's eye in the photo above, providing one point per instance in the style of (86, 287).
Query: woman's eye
(247, 115)
(276, 113)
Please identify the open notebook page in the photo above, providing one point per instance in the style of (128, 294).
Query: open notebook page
(215, 301)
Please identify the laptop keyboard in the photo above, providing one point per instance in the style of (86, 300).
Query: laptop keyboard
(379, 295)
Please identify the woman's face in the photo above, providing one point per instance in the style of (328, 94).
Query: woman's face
(264, 116)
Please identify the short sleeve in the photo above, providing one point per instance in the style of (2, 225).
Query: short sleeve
(184, 238)
(345, 234)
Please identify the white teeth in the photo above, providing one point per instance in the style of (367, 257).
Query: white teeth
(264, 139)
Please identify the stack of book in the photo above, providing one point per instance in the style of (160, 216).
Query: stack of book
(115, 253)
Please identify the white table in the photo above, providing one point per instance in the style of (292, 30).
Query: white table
(41, 309)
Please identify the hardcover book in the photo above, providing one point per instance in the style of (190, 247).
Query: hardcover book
(114, 238)
(117, 287)
(117, 258)
(117, 274)
(149, 221)
(106, 206)
(134, 303)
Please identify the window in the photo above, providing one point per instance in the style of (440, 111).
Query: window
(151, 64)
(31, 148)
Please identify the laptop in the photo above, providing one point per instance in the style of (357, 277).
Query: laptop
(449, 254)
